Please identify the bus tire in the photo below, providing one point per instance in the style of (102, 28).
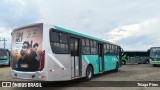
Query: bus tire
(9, 63)
(123, 62)
(146, 61)
(89, 73)
(117, 67)
(154, 65)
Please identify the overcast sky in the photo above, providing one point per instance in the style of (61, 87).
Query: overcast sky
(132, 24)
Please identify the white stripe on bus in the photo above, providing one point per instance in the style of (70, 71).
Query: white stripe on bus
(86, 59)
(56, 60)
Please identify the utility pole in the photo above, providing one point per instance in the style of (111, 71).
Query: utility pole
(4, 40)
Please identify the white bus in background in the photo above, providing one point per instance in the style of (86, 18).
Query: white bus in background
(155, 56)
(51, 53)
(135, 57)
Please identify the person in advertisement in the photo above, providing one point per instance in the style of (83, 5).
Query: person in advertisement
(29, 59)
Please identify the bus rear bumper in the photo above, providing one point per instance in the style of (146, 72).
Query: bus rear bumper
(38, 75)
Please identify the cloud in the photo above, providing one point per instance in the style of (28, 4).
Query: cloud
(95, 18)
(114, 20)
(15, 13)
(139, 36)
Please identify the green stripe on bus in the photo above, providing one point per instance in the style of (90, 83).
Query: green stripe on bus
(79, 34)
(110, 62)
(4, 61)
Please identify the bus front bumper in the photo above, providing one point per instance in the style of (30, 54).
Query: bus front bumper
(4, 62)
(154, 62)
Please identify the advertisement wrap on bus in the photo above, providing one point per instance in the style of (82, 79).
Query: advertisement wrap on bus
(26, 49)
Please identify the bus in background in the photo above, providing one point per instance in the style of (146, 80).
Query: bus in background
(4, 56)
(135, 57)
(154, 56)
(51, 53)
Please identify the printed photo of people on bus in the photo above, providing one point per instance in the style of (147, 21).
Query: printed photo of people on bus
(29, 59)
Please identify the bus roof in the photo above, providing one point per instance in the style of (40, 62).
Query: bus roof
(154, 47)
(135, 51)
(2, 49)
(79, 34)
(69, 31)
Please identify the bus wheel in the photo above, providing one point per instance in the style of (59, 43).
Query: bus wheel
(9, 63)
(147, 62)
(117, 67)
(89, 73)
(123, 62)
(154, 65)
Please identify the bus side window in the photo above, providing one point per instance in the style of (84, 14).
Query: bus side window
(55, 46)
(54, 37)
(93, 47)
(59, 42)
(85, 46)
(111, 49)
(108, 51)
(83, 42)
(63, 38)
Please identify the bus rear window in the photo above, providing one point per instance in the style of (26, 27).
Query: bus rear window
(27, 48)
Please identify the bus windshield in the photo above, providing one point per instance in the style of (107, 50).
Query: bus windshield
(3, 55)
(155, 53)
(26, 48)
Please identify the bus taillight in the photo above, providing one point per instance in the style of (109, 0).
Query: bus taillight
(41, 66)
(33, 76)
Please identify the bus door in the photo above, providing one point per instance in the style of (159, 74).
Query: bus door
(75, 57)
(120, 52)
(100, 57)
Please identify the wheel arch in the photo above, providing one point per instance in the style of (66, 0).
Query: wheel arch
(91, 66)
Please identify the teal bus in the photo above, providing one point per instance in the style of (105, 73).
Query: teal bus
(155, 56)
(4, 56)
(51, 53)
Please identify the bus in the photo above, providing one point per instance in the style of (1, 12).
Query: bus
(155, 56)
(4, 56)
(50, 53)
(135, 57)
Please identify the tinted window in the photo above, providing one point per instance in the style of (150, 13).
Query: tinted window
(72, 47)
(93, 47)
(87, 42)
(54, 37)
(95, 43)
(87, 50)
(63, 38)
(111, 49)
(93, 50)
(83, 42)
(105, 47)
(86, 46)
(91, 43)
(76, 48)
(63, 48)
(59, 42)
